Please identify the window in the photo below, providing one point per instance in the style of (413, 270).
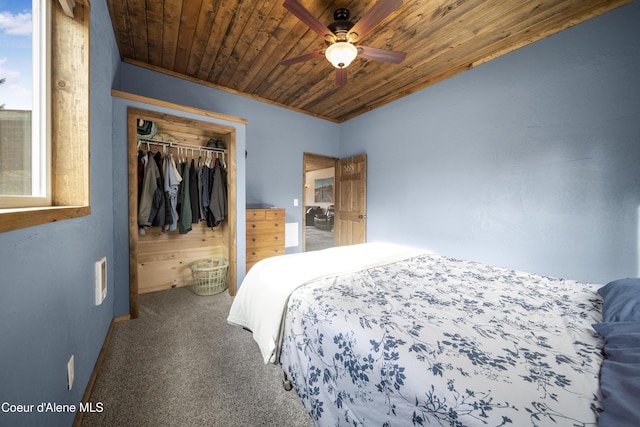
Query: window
(68, 90)
(24, 117)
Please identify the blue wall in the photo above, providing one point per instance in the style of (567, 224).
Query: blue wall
(47, 302)
(529, 161)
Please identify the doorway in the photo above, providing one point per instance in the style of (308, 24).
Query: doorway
(318, 201)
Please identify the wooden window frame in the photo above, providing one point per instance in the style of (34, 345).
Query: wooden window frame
(70, 184)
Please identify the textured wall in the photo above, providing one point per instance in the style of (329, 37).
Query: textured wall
(529, 161)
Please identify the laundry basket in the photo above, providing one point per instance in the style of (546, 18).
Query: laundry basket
(209, 275)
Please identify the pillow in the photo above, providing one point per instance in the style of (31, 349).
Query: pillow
(620, 374)
(621, 341)
(621, 300)
(611, 329)
(620, 388)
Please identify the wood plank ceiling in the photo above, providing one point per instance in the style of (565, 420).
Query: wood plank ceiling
(236, 45)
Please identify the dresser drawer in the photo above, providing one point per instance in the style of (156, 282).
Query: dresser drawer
(256, 214)
(264, 226)
(274, 214)
(260, 253)
(262, 240)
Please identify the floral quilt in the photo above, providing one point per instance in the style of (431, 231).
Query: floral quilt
(438, 341)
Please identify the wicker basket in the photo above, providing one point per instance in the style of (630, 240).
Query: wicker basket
(209, 275)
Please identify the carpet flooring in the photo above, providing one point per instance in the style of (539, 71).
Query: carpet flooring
(317, 239)
(181, 364)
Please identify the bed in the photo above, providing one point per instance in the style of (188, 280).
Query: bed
(382, 334)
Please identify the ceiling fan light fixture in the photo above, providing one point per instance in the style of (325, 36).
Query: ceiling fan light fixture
(341, 54)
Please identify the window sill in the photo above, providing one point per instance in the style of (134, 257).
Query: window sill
(14, 219)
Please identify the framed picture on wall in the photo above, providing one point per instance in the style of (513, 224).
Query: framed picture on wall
(323, 189)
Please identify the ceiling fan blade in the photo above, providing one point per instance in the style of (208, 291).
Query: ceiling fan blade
(381, 54)
(341, 76)
(305, 16)
(374, 16)
(302, 58)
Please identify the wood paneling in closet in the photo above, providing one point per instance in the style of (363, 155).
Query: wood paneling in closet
(163, 257)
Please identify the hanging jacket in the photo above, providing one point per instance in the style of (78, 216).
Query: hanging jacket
(207, 180)
(184, 216)
(218, 197)
(193, 193)
(179, 171)
(172, 180)
(211, 221)
(201, 213)
(142, 164)
(149, 202)
(158, 206)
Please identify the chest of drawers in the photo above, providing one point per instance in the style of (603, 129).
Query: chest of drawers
(265, 234)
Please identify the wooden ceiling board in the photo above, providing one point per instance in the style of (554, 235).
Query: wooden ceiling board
(237, 45)
(155, 20)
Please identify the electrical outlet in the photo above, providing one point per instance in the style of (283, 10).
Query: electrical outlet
(101, 280)
(70, 372)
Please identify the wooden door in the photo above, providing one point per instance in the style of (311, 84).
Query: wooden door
(351, 201)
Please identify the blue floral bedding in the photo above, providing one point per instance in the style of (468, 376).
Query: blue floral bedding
(438, 341)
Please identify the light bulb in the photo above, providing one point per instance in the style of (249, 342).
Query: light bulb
(341, 54)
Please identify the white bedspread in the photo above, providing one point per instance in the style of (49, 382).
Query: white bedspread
(437, 341)
(262, 299)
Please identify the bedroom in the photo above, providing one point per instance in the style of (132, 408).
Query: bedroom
(528, 161)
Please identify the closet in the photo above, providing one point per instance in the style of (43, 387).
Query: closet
(158, 258)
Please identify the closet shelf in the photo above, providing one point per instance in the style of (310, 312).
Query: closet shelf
(171, 144)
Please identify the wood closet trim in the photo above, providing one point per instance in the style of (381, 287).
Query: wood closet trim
(133, 114)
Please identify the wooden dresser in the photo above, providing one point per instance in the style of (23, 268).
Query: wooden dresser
(265, 234)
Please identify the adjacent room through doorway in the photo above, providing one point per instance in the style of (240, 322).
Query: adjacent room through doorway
(318, 201)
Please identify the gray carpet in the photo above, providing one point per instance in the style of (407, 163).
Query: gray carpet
(317, 239)
(181, 364)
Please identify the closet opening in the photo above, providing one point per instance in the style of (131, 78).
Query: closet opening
(159, 255)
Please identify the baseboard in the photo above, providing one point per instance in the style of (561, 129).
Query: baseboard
(77, 422)
(121, 318)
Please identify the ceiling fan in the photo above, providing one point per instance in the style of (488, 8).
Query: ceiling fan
(342, 34)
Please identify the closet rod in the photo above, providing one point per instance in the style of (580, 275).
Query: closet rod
(179, 145)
